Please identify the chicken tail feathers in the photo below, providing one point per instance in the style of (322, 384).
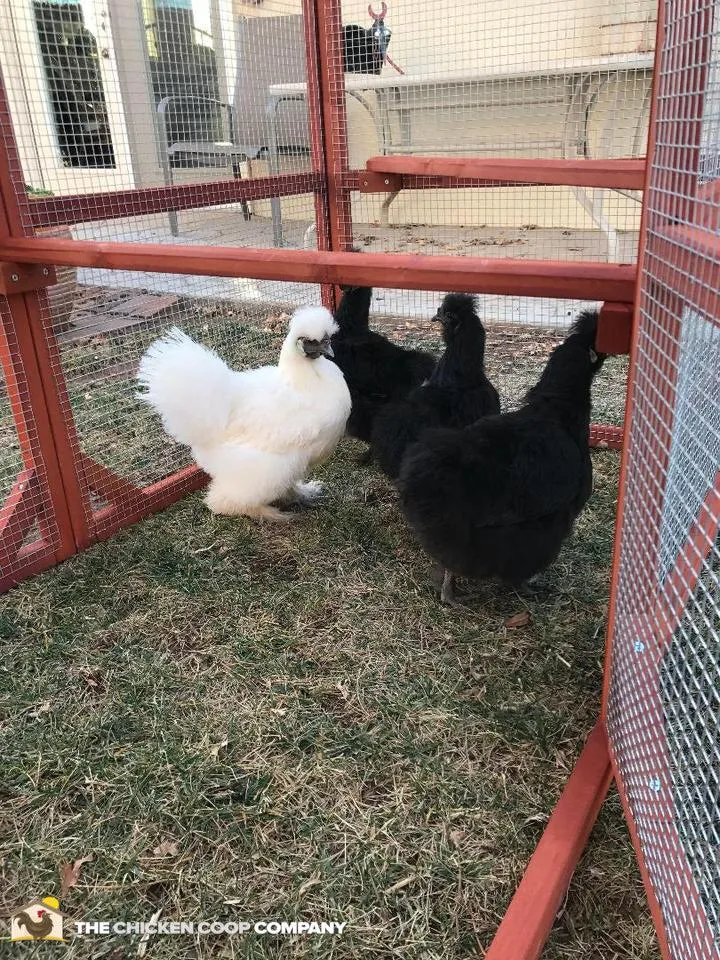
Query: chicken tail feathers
(189, 386)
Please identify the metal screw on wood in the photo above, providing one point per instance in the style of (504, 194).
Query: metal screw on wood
(45, 271)
(14, 277)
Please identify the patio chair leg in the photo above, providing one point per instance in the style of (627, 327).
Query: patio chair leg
(244, 206)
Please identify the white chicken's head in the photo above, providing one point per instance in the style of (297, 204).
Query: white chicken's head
(310, 331)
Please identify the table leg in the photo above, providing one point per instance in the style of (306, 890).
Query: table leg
(273, 160)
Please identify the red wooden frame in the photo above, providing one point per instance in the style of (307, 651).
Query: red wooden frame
(40, 493)
(532, 911)
(673, 162)
(89, 207)
(529, 278)
(506, 171)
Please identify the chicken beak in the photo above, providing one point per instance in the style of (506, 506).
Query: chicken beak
(327, 350)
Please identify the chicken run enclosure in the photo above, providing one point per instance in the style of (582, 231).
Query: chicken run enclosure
(214, 165)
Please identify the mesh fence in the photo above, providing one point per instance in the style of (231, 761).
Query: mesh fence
(117, 95)
(195, 123)
(29, 534)
(565, 80)
(664, 704)
(111, 96)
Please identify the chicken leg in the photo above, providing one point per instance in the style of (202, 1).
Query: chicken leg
(444, 582)
(308, 492)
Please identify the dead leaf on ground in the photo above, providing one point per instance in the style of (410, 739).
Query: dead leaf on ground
(70, 875)
(518, 620)
(215, 750)
(92, 677)
(168, 848)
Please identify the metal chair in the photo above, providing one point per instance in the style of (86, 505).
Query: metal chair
(270, 50)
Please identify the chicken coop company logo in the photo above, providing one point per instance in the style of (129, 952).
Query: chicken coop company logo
(37, 920)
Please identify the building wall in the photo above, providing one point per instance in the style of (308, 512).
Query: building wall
(528, 120)
(523, 117)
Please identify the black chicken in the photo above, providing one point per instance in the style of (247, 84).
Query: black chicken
(376, 370)
(457, 394)
(498, 499)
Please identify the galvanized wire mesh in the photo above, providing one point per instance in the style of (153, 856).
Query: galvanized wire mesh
(664, 705)
(146, 95)
(28, 529)
(111, 96)
(143, 121)
(533, 80)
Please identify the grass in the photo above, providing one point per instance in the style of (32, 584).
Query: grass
(243, 721)
(301, 731)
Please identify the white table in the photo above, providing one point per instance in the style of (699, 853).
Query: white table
(401, 96)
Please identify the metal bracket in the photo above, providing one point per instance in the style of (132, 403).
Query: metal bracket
(371, 182)
(614, 332)
(23, 277)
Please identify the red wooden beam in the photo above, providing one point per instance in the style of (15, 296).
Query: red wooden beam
(606, 436)
(504, 171)
(529, 278)
(33, 385)
(32, 559)
(532, 911)
(17, 515)
(614, 333)
(318, 138)
(85, 208)
(147, 501)
(329, 35)
(113, 487)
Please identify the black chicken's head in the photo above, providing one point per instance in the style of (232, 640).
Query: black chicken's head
(458, 311)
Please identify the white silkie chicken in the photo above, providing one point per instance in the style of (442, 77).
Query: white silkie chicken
(255, 432)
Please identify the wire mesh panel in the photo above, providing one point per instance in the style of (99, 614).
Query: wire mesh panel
(30, 537)
(169, 99)
(568, 80)
(663, 707)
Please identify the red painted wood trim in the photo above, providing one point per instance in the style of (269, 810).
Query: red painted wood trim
(38, 418)
(331, 76)
(532, 911)
(532, 278)
(150, 500)
(112, 486)
(614, 333)
(89, 207)
(672, 167)
(612, 174)
(31, 560)
(318, 139)
(607, 437)
(17, 515)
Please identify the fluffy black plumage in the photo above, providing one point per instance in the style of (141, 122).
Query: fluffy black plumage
(497, 499)
(457, 394)
(361, 51)
(376, 370)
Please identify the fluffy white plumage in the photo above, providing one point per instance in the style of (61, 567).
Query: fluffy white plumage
(255, 432)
